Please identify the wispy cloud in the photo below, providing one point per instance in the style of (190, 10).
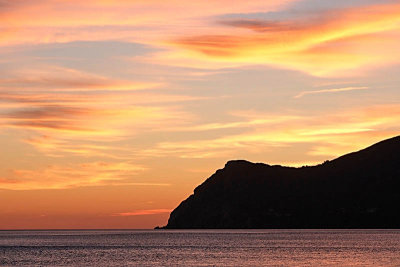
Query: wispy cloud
(55, 78)
(370, 124)
(61, 21)
(73, 175)
(333, 90)
(65, 110)
(322, 46)
(143, 212)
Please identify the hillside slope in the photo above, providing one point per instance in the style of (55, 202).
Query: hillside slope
(357, 190)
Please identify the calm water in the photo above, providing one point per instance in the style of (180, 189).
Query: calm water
(201, 248)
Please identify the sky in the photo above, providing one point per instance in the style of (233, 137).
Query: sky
(112, 112)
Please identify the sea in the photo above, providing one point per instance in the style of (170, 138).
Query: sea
(200, 248)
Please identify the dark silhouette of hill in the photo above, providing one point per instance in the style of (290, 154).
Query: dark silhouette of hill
(357, 190)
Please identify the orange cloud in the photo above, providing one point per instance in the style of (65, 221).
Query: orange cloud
(330, 135)
(144, 212)
(70, 176)
(329, 44)
(66, 110)
(66, 21)
(333, 90)
(93, 12)
(57, 78)
(63, 129)
(323, 44)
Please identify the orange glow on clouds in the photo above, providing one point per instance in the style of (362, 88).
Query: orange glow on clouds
(56, 177)
(323, 46)
(111, 112)
(283, 130)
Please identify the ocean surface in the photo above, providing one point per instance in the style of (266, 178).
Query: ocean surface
(200, 248)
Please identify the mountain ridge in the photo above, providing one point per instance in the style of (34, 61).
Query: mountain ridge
(356, 190)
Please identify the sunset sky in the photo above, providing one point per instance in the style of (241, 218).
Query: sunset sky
(112, 112)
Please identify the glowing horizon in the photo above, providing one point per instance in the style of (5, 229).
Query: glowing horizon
(112, 112)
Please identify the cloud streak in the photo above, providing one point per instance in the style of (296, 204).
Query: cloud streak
(143, 212)
(64, 109)
(324, 130)
(56, 78)
(53, 21)
(70, 176)
(333, 90)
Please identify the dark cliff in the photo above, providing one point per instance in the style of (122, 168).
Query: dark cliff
(357, 190)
